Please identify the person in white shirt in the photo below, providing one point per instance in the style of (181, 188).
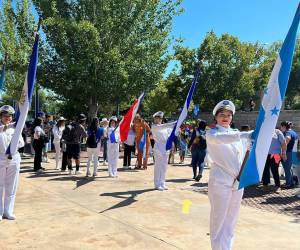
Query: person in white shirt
(160, 133)
(128, 149)
(226, 150)
(104, 139)
(57, 131)
(9, 166)
(113, 147)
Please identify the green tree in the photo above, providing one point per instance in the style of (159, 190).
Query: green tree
(16, 39)
(229, 69)
(105, 51)
(292, 99)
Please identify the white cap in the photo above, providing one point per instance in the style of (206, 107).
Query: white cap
(159, 114)
(104, 120)
(225, 104)
(61, 118)
(113, 118)
(7, 109)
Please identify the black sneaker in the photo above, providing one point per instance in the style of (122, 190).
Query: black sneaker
(198, 177)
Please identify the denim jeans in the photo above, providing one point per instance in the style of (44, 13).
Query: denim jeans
(198, 156)
(287, 166)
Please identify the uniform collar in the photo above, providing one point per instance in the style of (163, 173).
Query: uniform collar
(222, 129)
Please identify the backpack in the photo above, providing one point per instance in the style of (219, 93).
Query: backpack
(91, 141)
(68, 133)
(200, 141)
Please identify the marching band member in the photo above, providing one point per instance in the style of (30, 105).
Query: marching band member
(160, 133)
(226, 149)
(9, 166)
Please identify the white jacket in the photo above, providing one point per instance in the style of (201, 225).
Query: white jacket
(5, 139)
(160, 133)
(57, 133)
(226, 149)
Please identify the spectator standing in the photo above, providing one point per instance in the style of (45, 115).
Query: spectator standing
(277, 152)
(94, 133)
(290, 137)
(73, 135)
(198, 147)
(57, 131)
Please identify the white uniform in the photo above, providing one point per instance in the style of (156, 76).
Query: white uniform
(226, 150)
(9, 173)
(160, 135)
(113, 152)
(57, 133)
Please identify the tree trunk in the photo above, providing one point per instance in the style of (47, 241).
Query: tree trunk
(93, 107)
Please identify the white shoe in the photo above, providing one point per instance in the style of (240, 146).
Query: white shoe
(165, 188)
(9, 217)
(70, 172)
(77, 172)
(104, 163)
(88, 174)
(160, 189)
(0, 218)
(94, 174)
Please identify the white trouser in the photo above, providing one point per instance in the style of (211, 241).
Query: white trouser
(225, 205)
(57, 153)
(160, 168)
(9, 176)
(112, 158)
(92, 157)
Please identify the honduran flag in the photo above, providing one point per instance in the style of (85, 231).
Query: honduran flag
(270, 109)
(183, 114)
(128, 118)
(26, 97)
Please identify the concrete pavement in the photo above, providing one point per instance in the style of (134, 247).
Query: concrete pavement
(59, 211)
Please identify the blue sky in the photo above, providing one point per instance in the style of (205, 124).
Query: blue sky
(264, 21)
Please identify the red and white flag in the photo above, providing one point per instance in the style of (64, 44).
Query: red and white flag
(128, 118)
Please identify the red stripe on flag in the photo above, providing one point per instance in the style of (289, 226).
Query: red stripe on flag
(126, 121)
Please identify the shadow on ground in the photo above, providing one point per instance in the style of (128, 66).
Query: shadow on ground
(129, 197)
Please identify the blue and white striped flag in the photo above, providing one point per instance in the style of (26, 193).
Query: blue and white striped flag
(2, 77)
(26, 97)
(183, 113)
(270, 109)
(142, 144)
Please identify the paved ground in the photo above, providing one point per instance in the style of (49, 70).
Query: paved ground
(58, 211)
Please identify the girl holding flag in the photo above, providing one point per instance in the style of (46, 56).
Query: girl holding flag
(9, 166)
(161, 133)
(113, 146)
(226, 150)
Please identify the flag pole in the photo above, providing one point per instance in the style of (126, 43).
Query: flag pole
(19, 126)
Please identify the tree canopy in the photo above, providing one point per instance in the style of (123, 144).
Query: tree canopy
(104, 51)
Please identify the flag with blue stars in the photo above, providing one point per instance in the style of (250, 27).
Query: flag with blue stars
(270, 109)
